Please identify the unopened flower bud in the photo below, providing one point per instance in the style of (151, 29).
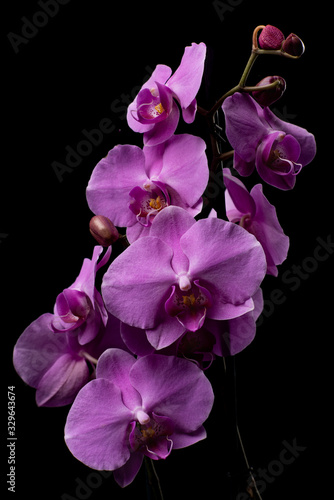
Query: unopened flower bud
(271, 38)
(269, 96)
(293, 45)
(103, 230)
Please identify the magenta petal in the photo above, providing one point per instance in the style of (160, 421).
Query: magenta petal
(169, 225)
(279, 175)
(96, 426)
(154, 106)
(135, 285)
(244, 126)
(112, 180)
(188, 114)
(136, 340)
(244, 168)
(187, 174)
(228, 261)
(161, 75)
(126, 474)
(115, 365)
(160, 448)
(305, 139)
(186, 80)
(165, 333)
(86, 279)
(190, 306)
(182, 440)
(61, 383)
(71, 310)
(267, 229)
(180, 390)
(163, 130)
(37, 349)
(240, 197)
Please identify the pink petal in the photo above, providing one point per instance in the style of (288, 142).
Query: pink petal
(161, 75)
(115, 365)
(112, 180)
(126, 474)
(228, 261)
(96, 426)
(169, 225)
(238, 193)
(61, 383)
(135, 285)
(186, 80)
(163, 130)
(185, 167)
(180, 390)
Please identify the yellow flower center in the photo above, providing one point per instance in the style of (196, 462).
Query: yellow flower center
(156, 203)
(159, 108)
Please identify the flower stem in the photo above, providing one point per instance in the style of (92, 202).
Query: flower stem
(89, 358)
(153, 481)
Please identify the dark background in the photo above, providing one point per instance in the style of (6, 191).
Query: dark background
(73, 73)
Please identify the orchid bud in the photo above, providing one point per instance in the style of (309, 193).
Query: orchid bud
(103, 230)
(271, 38)
(293, 45)
(269, 96)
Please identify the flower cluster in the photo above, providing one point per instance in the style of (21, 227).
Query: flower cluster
(131, 359)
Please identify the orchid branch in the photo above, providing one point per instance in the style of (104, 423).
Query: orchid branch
(152, 480)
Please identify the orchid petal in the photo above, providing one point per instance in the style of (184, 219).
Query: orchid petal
(186, 173)
(240, 197)
(115, 365)
(305, 139)
(169, 225)
(231, 262)
(134, 287)
(126, 474)
(112, 180)
(163, 130)
(242, 120)
(61, 383)
(186, 80)
(180, 390)
(160, 74)
(96, 426)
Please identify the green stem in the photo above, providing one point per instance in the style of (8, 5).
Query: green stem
(248, 67)
(153, 479)
(237, 88)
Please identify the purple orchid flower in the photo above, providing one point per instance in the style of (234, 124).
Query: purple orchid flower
(54, 359)
(278, 150)
(253, 212)
(184, 272)
(214, 338)
(132, 185)
(154, 111)
(138, 407)
(55, 364)
(80, 307)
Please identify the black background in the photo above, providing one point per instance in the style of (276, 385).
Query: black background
(69, 76)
